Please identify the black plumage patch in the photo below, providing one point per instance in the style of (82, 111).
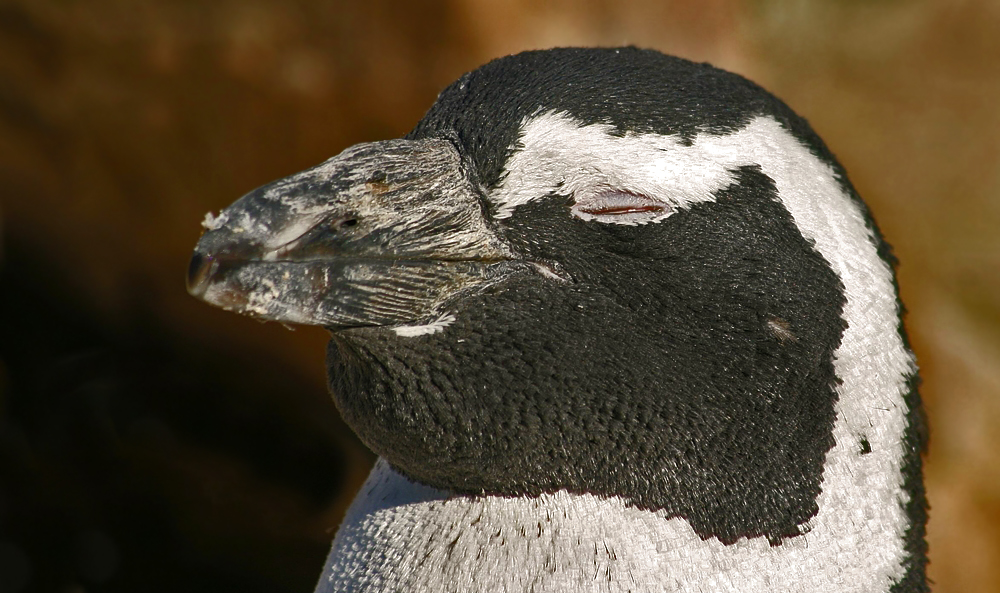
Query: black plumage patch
(655, 375)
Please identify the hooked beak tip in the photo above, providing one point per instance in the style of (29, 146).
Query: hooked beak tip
(199, 273)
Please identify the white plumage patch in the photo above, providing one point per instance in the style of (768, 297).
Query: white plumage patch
(436, 326)
(561, 542)
(556, 154)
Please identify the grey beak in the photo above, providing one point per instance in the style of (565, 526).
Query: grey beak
(382, 234)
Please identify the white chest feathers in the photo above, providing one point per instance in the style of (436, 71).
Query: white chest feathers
(401, 536)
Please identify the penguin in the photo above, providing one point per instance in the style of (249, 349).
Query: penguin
(613, 321)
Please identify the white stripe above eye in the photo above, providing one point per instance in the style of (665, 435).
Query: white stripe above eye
(556, 154)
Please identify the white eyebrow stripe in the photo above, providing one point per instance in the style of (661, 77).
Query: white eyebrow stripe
(558, 154)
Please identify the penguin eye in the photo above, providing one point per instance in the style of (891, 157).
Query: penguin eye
(619, 207)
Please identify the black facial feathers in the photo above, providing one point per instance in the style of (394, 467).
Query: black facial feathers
(657, 376)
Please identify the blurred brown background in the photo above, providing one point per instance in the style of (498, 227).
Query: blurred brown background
(151, 443)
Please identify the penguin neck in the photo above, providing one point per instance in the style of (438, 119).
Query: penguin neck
(403, 536)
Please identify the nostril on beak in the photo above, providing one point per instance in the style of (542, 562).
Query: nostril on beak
(199, 270)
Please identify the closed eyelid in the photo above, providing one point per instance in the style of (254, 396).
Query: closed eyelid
(613, 201)
(620, 207)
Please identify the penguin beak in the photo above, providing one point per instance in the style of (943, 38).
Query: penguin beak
(381, 234)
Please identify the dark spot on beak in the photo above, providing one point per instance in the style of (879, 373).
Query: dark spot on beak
(343, 221)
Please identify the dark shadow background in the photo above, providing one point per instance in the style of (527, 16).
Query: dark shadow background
(151, 443)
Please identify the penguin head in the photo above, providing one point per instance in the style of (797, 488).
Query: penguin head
(606, 271)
